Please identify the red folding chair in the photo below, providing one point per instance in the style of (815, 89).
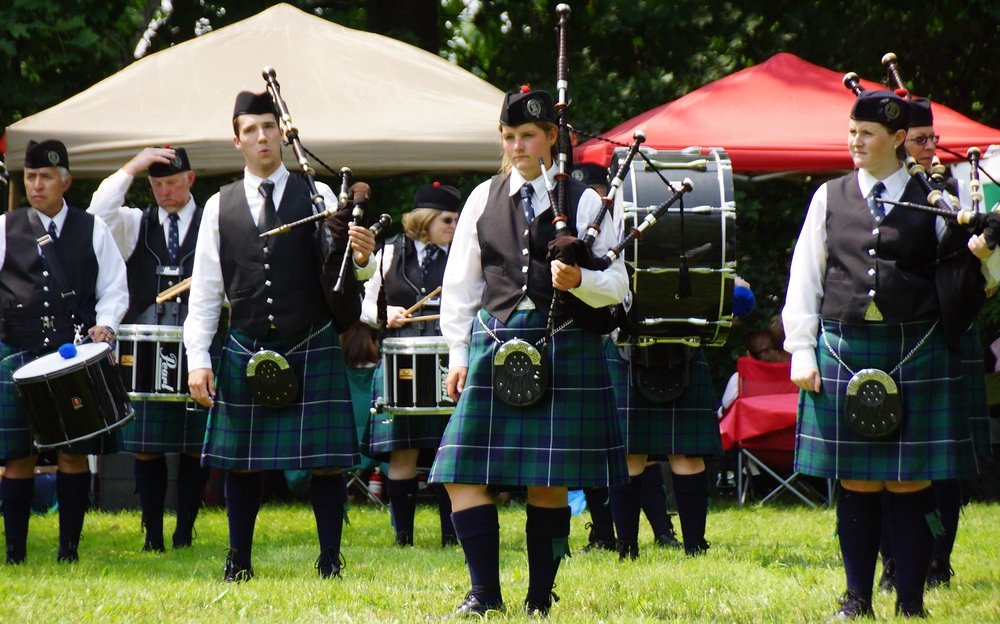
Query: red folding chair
(760, 424)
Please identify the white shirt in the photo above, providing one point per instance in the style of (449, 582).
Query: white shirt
(383, 260)
(112, 285)
(126, 223)
(207, 288)
(463, 286)
(800, 315)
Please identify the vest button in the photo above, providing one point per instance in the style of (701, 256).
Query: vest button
(270, 317)
(871, 252)
(45, 289)
(875, 232)
(871, 272)
(524, 269)
(524, 252)
(871, 293)
(267, 283)
(45, 273)
(45, 304)
(266, 250)
(270, 300)
(267, 267)
(523, 289)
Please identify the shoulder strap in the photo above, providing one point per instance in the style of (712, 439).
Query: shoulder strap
(51, 255)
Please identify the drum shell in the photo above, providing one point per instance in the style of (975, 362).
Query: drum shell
(152, 362)
(415, 370)
(704, 318)
(73, 400)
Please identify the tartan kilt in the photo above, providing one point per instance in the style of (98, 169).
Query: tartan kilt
(385, 433)
(15, 435)
(568, 439)
(165, 427)
(973, 394)
(933, 442)
(687, 426)
(316, 431)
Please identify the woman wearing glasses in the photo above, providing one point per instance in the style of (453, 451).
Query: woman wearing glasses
(862, 324)
(409, 269)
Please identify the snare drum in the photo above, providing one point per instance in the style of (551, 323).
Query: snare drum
(704, 318)
(74, 399)
(151, 362)
(414, 372)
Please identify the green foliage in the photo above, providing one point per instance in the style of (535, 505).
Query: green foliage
(766, 564)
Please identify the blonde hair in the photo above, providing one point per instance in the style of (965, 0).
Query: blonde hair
(506, 165)
(417, 223)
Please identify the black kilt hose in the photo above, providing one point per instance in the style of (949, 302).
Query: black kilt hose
(934, 441)
(15, 435)
(315, 431)
(385, 433)
(570, 438)
(686, 426)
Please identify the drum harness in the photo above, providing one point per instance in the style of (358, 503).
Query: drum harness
(51, 260)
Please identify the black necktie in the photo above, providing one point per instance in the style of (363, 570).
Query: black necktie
(877, 208)
(267, 213)
(173, 240)
(526, 192)
(430, 255)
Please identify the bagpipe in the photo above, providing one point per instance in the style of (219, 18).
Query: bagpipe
(342, 290)
(958, 274)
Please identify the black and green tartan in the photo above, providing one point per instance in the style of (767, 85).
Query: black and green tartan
(973, 393)
(934, 441)
(315, 431)
(385, 433)
(165, 427)
(570, 438)
(686, 426)
(15, 436)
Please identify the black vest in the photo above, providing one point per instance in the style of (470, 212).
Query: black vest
(273, 281)
(149, 272)
(892, 263)
(404, 285)
(513, 254)
(35, 316)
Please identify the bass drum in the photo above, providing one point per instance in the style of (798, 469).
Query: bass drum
(704, 231)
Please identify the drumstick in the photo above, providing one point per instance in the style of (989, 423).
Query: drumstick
(420, 319)
(178, 288)
(416, 306)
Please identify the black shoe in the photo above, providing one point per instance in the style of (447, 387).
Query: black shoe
(668, 539)
(330, 563)
(852, 607)
(153, 545)
(404, 539)
(448, 539)
(595, 543)
(887, 582)
(67, 554)
(627, 551)
(473, 606)
(696, 550)
(539, 608)
(913, 609)
(16, 556)
(183, 536)
(234, 572)
(939, 574)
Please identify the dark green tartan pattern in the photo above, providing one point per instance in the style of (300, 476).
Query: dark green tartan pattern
(385, 433)
(686, 426)
(316, 431)
(165, 427)
(973, 393)
(568, 439)
(15, 435)
(933, 442)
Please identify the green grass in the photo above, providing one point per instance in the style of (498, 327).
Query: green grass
(767, 564)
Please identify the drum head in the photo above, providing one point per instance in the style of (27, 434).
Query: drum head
(54, 363)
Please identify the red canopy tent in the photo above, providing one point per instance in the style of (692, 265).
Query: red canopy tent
(783, 115)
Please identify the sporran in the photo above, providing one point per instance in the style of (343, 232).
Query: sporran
(272, 381)
(873, 408)
(520, 374)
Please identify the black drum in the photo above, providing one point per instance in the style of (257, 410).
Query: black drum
(704, 318)
(73, 399)
(415, 370)
(152, 362)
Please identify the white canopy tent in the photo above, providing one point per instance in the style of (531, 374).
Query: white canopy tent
(361, 100)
